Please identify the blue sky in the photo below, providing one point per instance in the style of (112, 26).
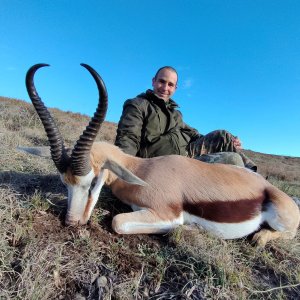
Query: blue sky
(238, 60)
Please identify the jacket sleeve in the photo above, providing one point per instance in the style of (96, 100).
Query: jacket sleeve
(130, 128)
(178, 137)
(191, 132)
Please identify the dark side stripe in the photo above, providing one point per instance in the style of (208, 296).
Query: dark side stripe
(226, 211)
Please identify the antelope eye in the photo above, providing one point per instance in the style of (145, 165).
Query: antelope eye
(93, 183)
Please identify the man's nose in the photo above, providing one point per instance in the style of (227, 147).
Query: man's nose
(165, 86)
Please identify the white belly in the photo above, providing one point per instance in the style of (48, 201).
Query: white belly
(225, 230)
(222, 230)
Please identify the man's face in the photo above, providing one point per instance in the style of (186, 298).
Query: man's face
(165, 84)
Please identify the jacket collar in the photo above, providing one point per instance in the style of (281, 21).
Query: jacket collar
(149, 95)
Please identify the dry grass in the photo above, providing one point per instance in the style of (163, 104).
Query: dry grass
(40, 258)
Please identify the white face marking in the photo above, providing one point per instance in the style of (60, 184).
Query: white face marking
(78, 197)
(226, 230)
(96, 191)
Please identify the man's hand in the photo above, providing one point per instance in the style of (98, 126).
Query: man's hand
(237, 143)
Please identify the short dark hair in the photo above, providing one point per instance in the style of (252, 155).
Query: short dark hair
(168, 68)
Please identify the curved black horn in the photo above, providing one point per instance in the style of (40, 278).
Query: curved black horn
(81, 152)
(57, 148)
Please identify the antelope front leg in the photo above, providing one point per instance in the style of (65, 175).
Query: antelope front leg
(142, 222)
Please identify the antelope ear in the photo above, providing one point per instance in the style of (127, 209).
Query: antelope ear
(43, 151)
(123, 173)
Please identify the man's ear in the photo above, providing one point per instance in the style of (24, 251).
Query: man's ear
(153, 80)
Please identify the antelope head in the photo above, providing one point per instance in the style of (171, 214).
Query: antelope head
(82, 179)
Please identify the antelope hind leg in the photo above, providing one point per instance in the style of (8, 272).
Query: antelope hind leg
(282, 215)
(142, 222)
(265, 235)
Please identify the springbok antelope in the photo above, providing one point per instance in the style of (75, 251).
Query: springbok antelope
(164, 192)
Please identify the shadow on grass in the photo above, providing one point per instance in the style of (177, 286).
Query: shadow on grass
(28, 184)
(50, 187)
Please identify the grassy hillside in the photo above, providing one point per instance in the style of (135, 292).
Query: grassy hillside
(40, 258)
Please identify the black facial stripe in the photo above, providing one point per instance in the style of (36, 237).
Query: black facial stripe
(93, 183)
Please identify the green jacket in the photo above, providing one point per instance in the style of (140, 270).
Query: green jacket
(151, 127)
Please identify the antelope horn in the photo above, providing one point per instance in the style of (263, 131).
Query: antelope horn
(81, 152)
(58, 152)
